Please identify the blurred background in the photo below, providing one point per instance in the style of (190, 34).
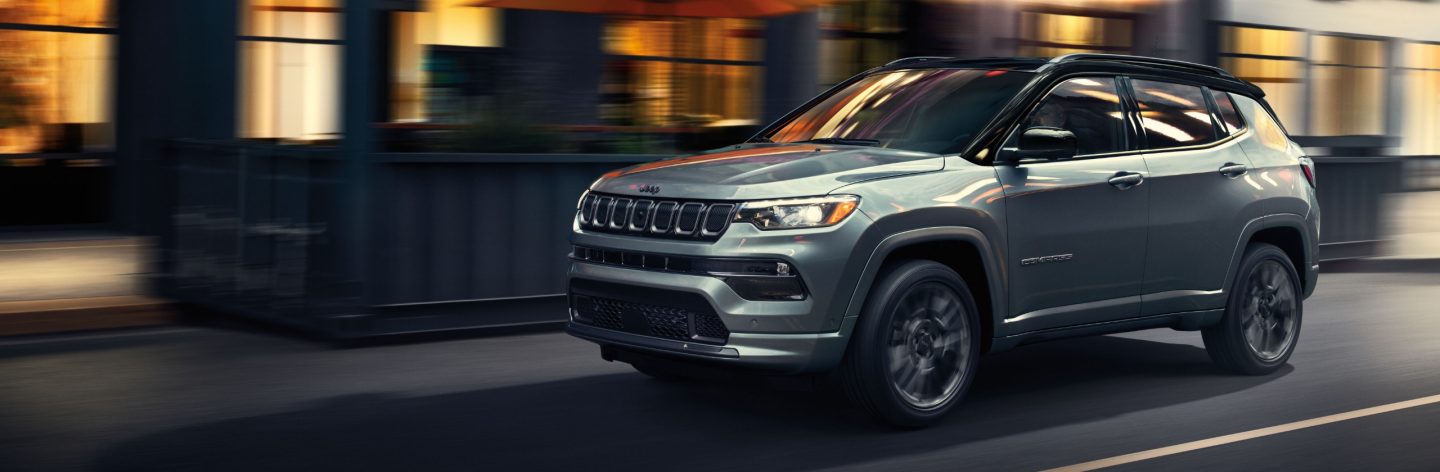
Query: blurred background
(358, 167)
(205, 171)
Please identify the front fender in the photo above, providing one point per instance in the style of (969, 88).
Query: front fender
(893, 233)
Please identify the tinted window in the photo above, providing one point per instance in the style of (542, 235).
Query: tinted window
(1174, 115)
(1269, 131)
(1228, 115)
(1088, 107)
(931, 110)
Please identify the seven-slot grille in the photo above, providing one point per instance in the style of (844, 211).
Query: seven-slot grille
(661, 218)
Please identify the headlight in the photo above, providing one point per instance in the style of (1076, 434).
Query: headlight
(798, 213)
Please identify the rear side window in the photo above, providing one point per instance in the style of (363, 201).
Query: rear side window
(1228, 116)
(1267, 129)
(1174, 115)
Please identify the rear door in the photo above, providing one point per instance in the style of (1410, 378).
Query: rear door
(1077, 227)
(1203, 192)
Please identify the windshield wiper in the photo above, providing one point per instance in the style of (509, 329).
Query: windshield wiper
(843, 141)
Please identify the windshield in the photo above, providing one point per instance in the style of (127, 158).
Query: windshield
(928, 110)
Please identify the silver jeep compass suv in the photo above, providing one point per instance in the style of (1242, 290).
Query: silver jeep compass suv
(922, 213)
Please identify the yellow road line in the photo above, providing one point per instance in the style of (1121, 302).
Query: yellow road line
(1247, 435)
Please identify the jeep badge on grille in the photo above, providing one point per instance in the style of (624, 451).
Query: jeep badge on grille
(650, 189)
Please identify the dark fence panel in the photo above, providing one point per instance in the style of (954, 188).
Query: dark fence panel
(1352, 203)
(1422, 173)
(457, 241)
(465, 231)
(251, 228)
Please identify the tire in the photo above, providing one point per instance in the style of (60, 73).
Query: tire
(1261, 325)
(914, 352)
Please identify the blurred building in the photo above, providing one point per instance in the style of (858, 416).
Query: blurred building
(164, 116)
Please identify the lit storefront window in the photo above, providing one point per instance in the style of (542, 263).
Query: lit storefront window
(681, 71)
(1348, 93)
(290, 65)
(439, 54)
(858, 35)
(1053, 34)
(56, 59)
(1422, 107)
(1273, 59)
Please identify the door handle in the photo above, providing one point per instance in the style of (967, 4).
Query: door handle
(1126, 180)
(1233, 170)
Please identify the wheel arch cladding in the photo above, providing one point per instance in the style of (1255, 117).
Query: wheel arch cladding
(1289, 239)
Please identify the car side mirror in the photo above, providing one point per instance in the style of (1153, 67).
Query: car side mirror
(1046, 143)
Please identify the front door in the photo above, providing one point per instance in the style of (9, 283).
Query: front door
(1077, 227)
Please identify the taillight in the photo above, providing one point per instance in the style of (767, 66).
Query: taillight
(1307, 166)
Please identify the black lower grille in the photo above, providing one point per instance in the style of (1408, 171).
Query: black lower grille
(647, 319)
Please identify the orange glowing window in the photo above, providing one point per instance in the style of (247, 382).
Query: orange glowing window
(55, 82)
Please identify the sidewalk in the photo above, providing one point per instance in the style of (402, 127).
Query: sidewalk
(75, 282)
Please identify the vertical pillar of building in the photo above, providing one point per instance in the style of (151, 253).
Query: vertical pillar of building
(175, 76)
(792, 63)
(357, 112)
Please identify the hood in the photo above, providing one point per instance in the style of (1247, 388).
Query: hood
(756, 171)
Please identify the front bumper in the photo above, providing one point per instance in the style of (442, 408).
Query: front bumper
(782, 350)
(789, 336)
(784, 353)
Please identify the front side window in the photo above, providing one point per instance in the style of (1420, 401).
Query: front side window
(1089, 107)
(1173, 115)
(927, 110)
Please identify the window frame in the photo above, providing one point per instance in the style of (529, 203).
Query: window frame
(1219, 118)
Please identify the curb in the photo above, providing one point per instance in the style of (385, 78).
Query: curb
(83, 314)
(1382, 265)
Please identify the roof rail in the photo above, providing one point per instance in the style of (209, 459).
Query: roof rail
(1142, 60)
(907, 60)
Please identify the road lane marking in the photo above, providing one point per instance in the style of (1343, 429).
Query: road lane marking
(1247, 435)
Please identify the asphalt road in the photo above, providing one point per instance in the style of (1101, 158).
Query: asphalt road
(217, 400)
